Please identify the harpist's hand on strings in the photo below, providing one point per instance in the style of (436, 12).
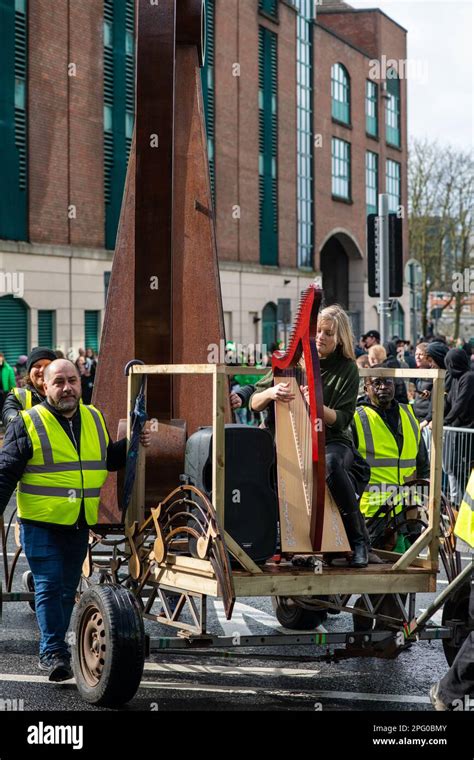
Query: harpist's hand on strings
(282, 392)
(305, 391)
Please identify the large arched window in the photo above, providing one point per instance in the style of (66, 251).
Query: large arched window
(392, 109)
(341, 94)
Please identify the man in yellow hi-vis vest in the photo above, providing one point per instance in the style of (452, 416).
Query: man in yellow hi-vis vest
(387, 435)
(59, 453)
(455, 691)
(21, 399)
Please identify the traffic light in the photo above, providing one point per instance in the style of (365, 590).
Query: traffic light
(395, 228)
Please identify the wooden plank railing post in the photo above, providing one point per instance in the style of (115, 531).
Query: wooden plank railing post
(434, 500)
(219, 383)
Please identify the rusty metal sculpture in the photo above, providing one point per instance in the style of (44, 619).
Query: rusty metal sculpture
(182, 524)
(164, 303)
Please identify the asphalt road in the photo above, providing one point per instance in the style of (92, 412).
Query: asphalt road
(271, 679)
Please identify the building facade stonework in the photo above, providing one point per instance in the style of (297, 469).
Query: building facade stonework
(269, 97)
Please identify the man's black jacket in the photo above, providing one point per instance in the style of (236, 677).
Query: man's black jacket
(17, 450)
(12, 407)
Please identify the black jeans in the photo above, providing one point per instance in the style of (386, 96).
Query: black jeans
(346, 476)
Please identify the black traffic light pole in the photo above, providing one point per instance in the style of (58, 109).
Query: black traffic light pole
(384, 268)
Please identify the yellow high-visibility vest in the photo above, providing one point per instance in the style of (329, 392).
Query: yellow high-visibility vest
(377, 445)
(464, 527)
(57, 477)
(24, 396)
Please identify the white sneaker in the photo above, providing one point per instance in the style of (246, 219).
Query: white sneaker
(436, 700)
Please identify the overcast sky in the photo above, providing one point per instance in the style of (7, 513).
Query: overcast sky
(440, 52)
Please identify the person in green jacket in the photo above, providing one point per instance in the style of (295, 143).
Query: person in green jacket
(7, 379)
(7, 374)
(346, 472)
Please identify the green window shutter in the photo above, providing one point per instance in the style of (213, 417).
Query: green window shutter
(13, 119)
(268, 146)
(269, 6)
(13, 328)
(91, 329)
(119, 106)
(208, 91)
(129, 73)
(269, 325)
(46, 328)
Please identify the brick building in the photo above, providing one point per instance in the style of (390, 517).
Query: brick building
(303, 131)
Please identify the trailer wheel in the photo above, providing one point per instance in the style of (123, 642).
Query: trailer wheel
(289, 615)
(28, 584)
(456, 609)
(109, 646)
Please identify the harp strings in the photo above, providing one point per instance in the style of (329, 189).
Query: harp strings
(303, 426)
(299, 411)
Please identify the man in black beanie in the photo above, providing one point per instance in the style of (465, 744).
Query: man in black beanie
(436, 351)
(22, 399)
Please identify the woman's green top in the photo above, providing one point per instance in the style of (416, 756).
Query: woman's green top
(340, 378)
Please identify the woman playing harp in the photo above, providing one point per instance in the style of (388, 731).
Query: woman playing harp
(346, 472)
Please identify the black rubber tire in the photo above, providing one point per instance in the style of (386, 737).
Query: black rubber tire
(456, 608)
(297, 618)
(28, 584)
(116, 614)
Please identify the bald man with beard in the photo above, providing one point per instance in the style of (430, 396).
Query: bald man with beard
(59, 453)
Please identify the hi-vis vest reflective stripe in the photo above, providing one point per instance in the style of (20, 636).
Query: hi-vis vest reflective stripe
(24, 396)
(377, 445)
(464, 527)
(57, 477)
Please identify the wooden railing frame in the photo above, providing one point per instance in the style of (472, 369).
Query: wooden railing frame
(220, 373)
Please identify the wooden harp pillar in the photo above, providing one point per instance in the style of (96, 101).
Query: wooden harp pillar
(164, 302)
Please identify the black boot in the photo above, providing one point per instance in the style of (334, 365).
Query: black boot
(374, 559)
(357, 540)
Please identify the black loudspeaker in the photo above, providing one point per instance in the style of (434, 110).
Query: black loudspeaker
(251, 505)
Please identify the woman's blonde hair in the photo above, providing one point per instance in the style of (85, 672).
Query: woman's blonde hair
(342, 328)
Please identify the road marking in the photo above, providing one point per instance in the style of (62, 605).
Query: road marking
(173, 667)
(437, 618)
(361, 697)
(179, 686)
(238, 624)
(21, 678)
(338, 695)
(167, 686)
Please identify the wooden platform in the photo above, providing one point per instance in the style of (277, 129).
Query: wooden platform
(285, 580)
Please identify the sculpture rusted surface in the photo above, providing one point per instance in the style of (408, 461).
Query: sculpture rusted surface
(164, 303)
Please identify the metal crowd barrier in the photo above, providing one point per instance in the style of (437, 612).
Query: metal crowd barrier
(458, 461)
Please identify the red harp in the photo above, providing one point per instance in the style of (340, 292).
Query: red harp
(309, 518)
